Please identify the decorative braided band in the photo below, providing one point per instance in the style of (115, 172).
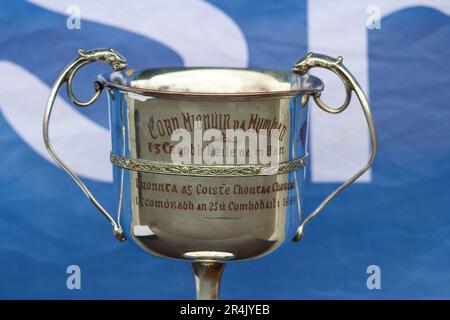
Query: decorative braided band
(208, 170)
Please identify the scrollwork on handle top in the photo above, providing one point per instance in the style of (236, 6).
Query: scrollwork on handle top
(313, 60)
(115, 59)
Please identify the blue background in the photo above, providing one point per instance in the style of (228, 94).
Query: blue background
(400, 221)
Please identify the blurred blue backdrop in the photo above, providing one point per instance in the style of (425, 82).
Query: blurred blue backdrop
(399, 221)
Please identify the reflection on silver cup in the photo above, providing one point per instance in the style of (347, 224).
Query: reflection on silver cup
(208, 213)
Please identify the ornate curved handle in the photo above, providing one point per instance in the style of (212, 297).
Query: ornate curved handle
(312, 60)
(84, 57)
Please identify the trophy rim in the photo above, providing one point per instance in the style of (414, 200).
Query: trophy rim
(122, 80)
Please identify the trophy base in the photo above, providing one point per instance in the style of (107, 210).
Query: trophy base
(207, 267)
(207, 276)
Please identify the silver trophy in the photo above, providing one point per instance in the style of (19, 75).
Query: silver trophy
(174, 203)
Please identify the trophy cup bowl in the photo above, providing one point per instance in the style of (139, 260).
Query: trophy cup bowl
(240, 202)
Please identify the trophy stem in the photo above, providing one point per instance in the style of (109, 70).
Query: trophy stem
(207, 275)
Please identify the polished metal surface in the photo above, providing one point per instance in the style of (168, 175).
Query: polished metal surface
(243, 211)
(207, 276)
(165, 83)
(208, 214)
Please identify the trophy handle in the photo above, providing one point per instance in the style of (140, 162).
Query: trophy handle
(84, 57)
(312, 60)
